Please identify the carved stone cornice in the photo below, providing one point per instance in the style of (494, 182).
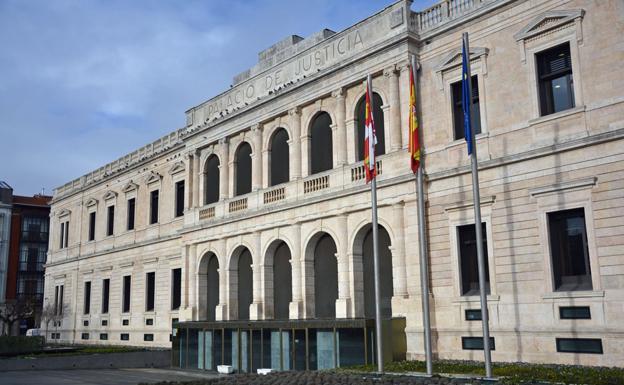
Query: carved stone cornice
(296, 111)
(338, 93)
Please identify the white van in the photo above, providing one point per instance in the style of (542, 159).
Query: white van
(33, 332)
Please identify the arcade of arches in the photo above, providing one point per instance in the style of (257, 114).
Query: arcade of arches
(277, 281)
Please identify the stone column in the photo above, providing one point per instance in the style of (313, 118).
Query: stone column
(296, 305)
(255, 309)
(221, 308)
(343, 303)
(196, 156)
(295, 147)
(399, 268)
(392, 77)
(404, 95)
(224, 168)
(256, 157)
(192, 280)
(188, 199)
(340, 139)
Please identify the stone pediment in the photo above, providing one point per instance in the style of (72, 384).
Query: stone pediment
(91, 202)
(64, 212)
(548, 21)
(177, 167)
(454, 58)
(110, 195)
(153, 177)
(129, 187)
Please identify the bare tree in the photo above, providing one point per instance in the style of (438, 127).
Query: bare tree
(48, 314)
(14, 310)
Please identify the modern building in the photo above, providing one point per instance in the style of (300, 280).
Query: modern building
(23, 251)
(249, 228)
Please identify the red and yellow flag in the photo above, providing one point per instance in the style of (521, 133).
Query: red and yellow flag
(414, 145)
(370, 138)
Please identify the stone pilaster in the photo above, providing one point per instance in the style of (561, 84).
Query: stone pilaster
(196, 156)
(221, 310)
(340, 139)
(224, 168)
(255, 309)
(296, 305)
(188, 198)
(256, 157)
(398, 250)
(295, 147)
(343, 303)
(404, 95)
(395, 113)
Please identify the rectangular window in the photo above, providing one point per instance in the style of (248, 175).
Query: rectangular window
(458, 112)
(85, 336)
(476, 343)
(179, 198)
(62, 237)
(56, 300)
(569, 250)
(92, 226)
(110, 221)
(103, 336)
(149, 321)
(105, 295)
(85, 323)
(125, 322)
(124, 337)
(154, 207)
(131, 214)
(574, 312)
(66, 234)
(60, 308)
(176, 288)
(556, 86)
(148, 337)
(579, 345)
(127, 281)
(467, 236)
(104, 322)
(473, 315)
(87, 297)
(150, 281)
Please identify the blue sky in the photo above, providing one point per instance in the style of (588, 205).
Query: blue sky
(83, 82)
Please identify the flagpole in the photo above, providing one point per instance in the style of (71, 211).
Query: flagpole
(380, 361)
(478, 228)
(422, 240)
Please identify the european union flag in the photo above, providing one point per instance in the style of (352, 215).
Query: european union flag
(466, 97)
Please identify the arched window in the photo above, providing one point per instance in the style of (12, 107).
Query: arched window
(282, 281)
(321, 144)
(211, 180)
(325, 277)
(360, 113)
(245, 284)
(385, 275)
(208, 286)
(242, 169)
(279, 158)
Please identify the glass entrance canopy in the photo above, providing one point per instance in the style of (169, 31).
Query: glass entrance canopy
(277, 344)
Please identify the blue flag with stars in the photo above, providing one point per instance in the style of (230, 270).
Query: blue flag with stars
(466, 99)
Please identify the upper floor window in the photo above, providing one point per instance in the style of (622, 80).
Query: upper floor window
(467, 237)
(131, 210)
(378, 118)
(279, 158)
(153, 207)
(458, 112)
(110, 221)
(569, 250)
(321, 150)
(556, 87)
(242, 169)
(150, 288)
(87, 297)
(105, 295)
(179, 198)
(64, 235)
(125, 299)
(92, 225)
(211, 180)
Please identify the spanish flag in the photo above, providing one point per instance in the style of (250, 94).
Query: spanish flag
(370, 137)
(414, 145)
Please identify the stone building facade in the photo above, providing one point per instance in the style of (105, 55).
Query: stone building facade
(258, 208)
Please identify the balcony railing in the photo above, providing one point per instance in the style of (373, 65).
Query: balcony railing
(445, 11)
(207, 213)
(238, 205)
(274, 195)
(316, 184)
(359, 172)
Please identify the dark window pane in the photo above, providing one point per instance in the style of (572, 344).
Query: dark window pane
(279, 157)
(66, 233)
(87, 297)
(555, 79)
(242, 169)
(211, 180)
(574, 312)
(179, 198)
(245, 284)
(579, 345)
(476, 343)
(325, 277)
(458, 112)
(126, 293)
(104, 336)
(92, 226)
(378, 118)
(110, 228)
(569, 250)
(473, 315)
(468, 259)
(154, 207)
(282, 281)
(105, 295)
(321, 149)
(150, 289)
(124, 337)
(213, 287)
(176, 288)
(131, 206)
(62, 235)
